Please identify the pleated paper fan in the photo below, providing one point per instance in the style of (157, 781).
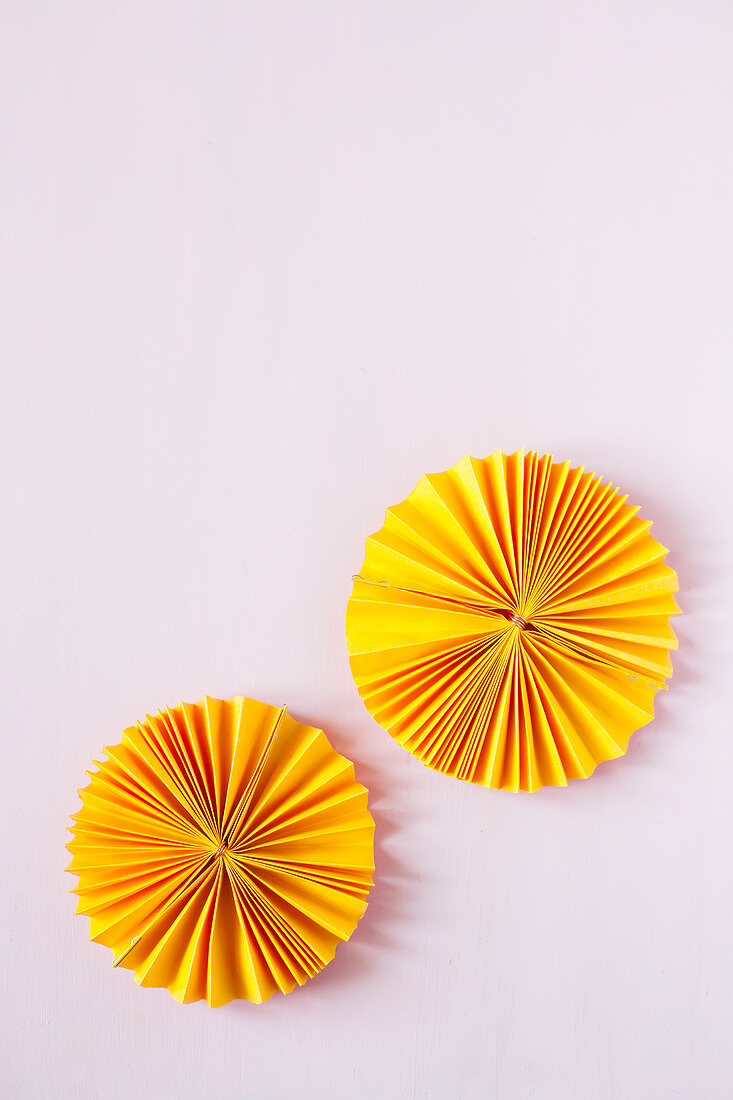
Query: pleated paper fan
(510, 623)
(223, 851)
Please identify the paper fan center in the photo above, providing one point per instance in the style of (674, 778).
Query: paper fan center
(517, 620)
(220, 850)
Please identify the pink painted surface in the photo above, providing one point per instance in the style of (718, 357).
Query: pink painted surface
(261, 266)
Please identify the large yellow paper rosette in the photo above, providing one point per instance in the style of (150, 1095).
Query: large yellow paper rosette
(223, 850)
(510, 623)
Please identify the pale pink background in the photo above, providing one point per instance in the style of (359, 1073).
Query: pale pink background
(263, 264)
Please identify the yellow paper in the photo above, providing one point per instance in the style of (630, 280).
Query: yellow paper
(223, 850)
(510, 624)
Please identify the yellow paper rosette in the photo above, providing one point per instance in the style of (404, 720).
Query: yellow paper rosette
(223, 850)
(510, 623)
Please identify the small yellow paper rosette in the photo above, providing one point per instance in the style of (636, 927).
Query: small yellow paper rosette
(510, 623)
(223, 850)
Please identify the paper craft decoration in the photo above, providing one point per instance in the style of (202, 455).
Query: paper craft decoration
(223, 850)
(510, 624)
